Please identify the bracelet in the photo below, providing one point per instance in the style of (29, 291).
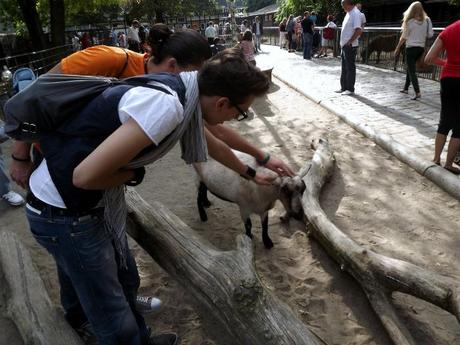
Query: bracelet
(249, 172)
(264, 160)
(20, 159)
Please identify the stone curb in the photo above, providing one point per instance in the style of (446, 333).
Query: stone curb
(438, 175)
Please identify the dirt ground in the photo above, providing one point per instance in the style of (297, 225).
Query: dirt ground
(378, 201)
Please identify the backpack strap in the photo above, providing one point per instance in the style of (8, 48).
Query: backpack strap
(162, 82)
(143, 84)
(125, 64)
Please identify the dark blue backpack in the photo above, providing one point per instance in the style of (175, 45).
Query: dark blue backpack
(52, 99)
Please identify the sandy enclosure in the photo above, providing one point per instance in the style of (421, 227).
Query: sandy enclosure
(378, 201)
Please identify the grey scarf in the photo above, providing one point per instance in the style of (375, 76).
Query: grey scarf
(193, 146)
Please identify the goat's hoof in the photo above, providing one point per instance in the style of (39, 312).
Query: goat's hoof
(268, 243)
(203, 217)
(207, 203)
(249, 235)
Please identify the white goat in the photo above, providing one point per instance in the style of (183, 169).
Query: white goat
(250, 197)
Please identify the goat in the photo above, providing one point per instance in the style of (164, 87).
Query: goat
(381, 43)
(250, 197)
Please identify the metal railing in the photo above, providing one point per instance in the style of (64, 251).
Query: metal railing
(376, 48)
(39, 61)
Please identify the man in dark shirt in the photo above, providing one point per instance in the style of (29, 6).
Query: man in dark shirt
(307, 28)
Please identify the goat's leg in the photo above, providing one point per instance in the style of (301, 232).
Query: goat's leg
(202, 201)
(378, 57)
(245, 217)
(203, 195)
(248, 227)
(265, 238)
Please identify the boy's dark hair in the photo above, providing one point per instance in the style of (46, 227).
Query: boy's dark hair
(227, 74)
(187, 46)
(247, 36)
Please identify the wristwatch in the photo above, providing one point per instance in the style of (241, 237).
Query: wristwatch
(249, 172)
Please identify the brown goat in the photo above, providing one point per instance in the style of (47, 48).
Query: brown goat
(381, 43)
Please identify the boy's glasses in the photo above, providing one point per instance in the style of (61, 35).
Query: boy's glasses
(242, 114)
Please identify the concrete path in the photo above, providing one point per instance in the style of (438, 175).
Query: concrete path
(377, 102)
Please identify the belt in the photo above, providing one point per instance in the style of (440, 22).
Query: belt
(41, 206)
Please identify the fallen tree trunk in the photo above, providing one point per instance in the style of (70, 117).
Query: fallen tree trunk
(27, 302)
(224, 284)
(378, 275)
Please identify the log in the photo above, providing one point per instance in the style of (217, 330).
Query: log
(27, 302)
(378, 275)
(225, 284)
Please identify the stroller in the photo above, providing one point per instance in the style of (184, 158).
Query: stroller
(22, 78)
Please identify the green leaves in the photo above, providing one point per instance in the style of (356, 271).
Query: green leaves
(297, 7)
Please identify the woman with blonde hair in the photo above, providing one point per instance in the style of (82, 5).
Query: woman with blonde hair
(416, 28)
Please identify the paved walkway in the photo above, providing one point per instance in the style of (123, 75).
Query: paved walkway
(377, 102)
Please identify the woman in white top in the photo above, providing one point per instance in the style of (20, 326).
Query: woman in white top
(416, 28)
(76, 208)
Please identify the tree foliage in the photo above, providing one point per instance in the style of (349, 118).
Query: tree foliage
(297, 7)
(31, 16)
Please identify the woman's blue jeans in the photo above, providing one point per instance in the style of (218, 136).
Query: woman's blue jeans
(93, 286)
(4, 180)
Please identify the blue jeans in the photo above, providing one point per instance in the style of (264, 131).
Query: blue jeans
(257, 41)
(4, 180)
(93, 286)
(348, 76)
(307, 45)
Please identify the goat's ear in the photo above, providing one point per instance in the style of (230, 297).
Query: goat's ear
(299, 185)
(286, 184)
(278, 182)
(302, 187)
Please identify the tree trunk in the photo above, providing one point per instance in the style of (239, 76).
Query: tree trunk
(378, 275)
(224, 284)
(27, 302)
(34, 26)
(159, 14)
(57, 22)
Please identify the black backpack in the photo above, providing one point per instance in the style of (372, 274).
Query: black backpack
(54, 98)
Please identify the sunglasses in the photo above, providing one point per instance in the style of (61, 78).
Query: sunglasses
(242, 114)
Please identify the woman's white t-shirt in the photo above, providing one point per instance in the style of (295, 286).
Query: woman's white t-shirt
(156, 112)
(417, 32)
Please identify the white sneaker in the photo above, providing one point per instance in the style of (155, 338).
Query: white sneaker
(13, 198)
(147, 305)
(347, 93)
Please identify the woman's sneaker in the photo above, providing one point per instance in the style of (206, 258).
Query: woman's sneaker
(13, 198)
(164, 339)
(147, 305)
